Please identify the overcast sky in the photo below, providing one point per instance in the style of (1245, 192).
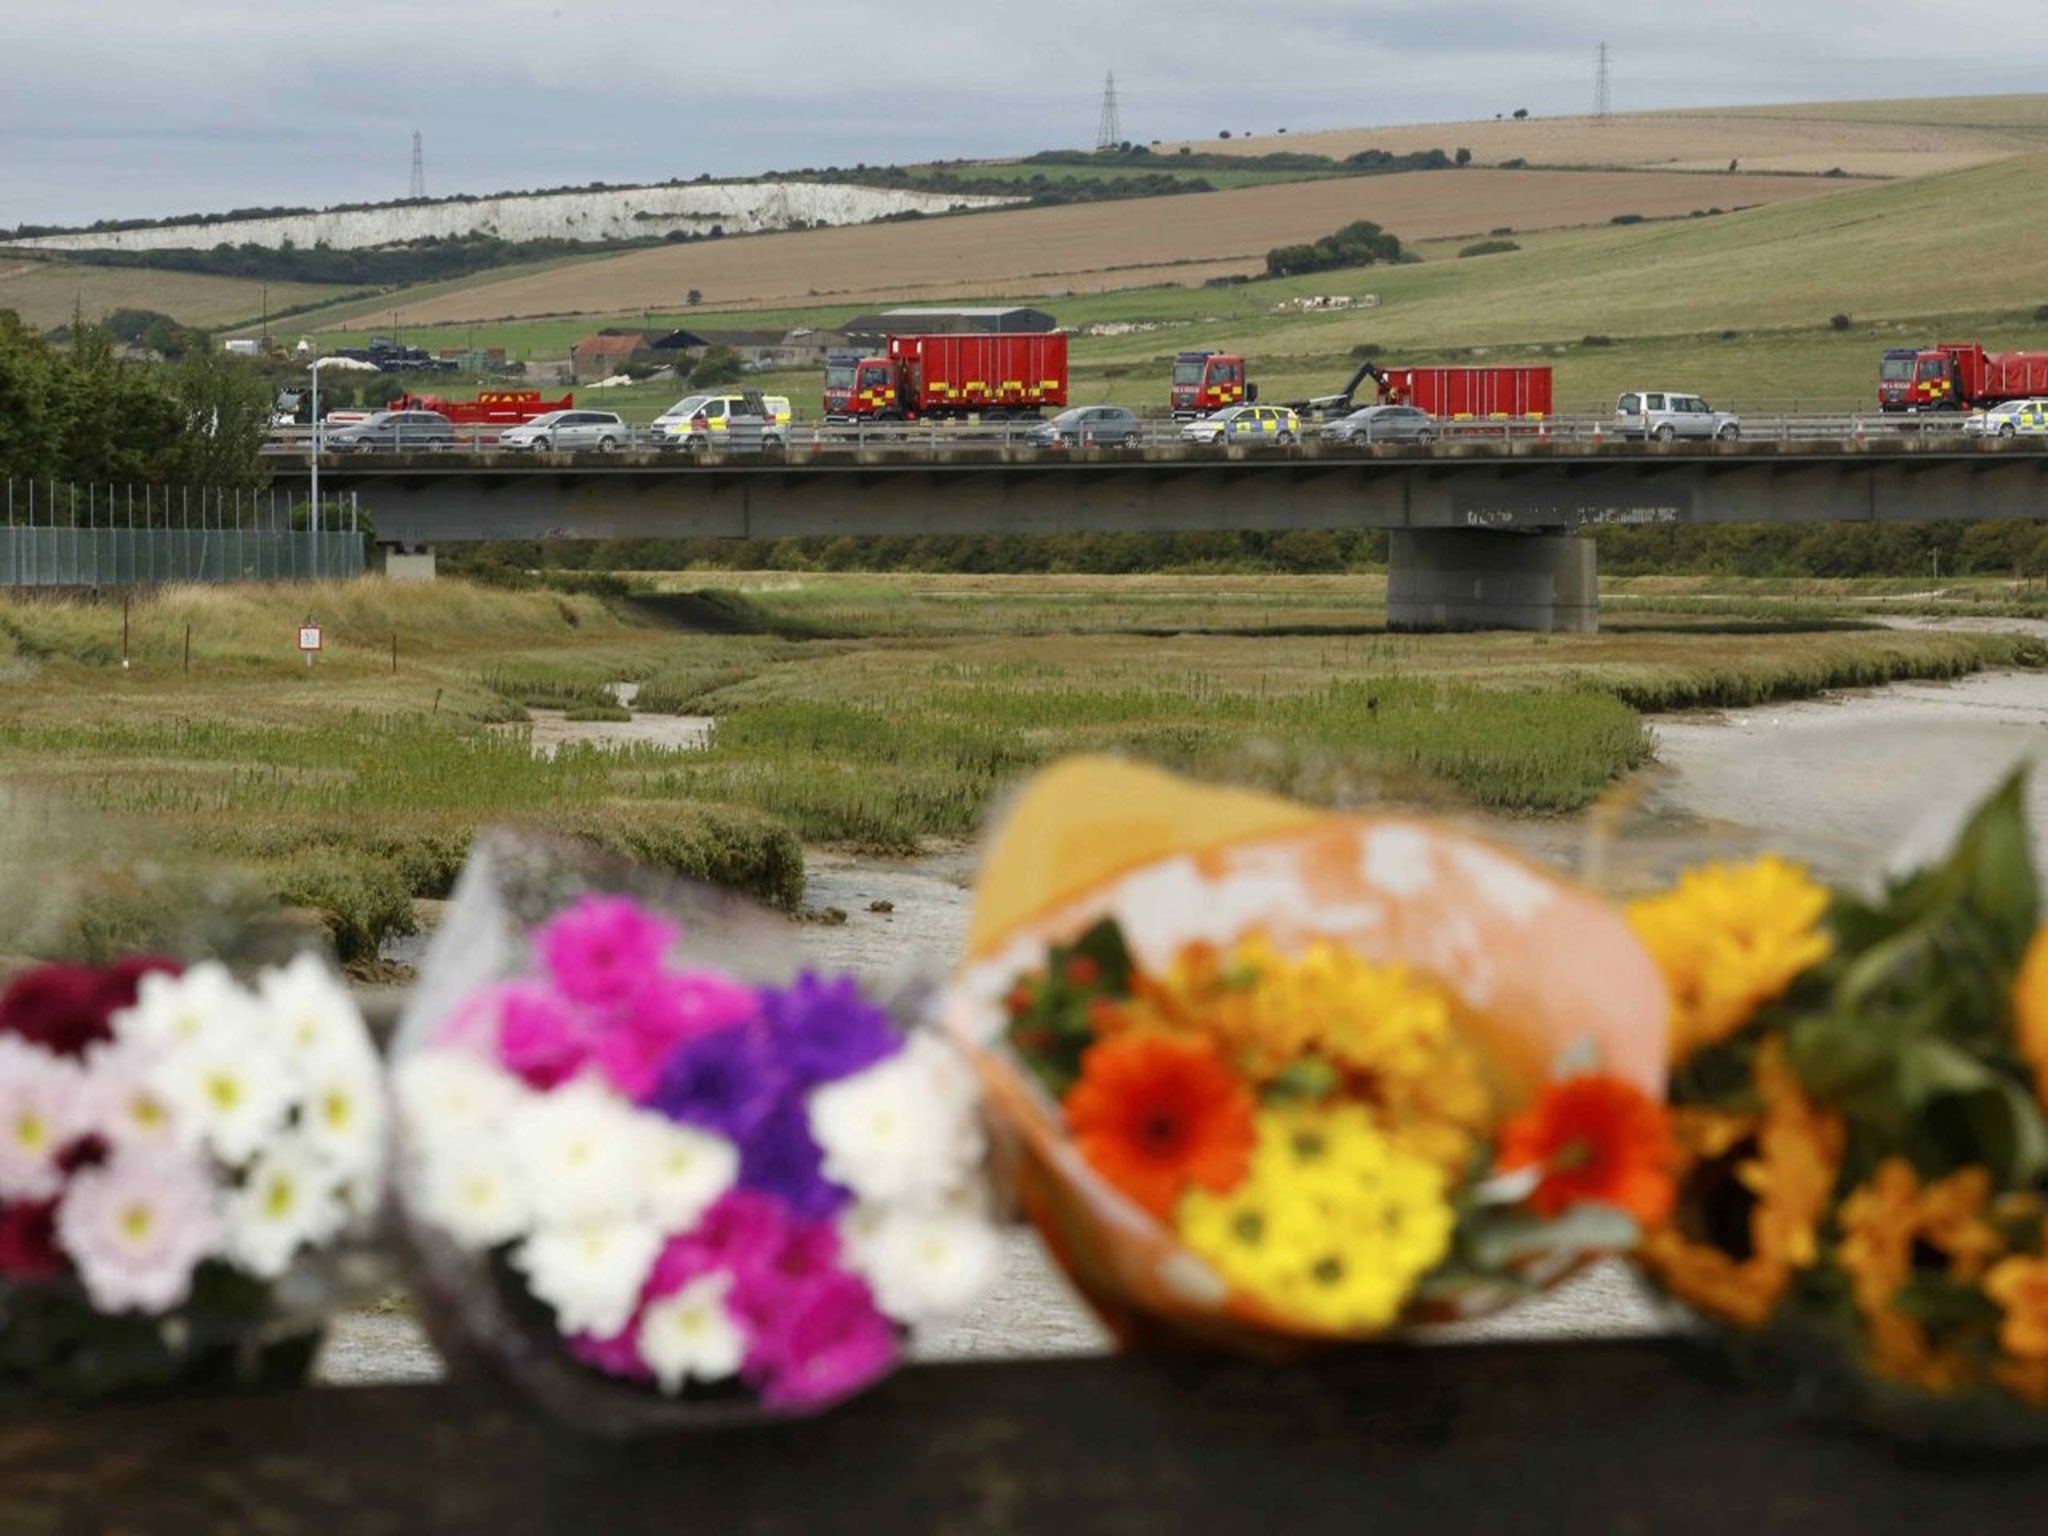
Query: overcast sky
(148, 108)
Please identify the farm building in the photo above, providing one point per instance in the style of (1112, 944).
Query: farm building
(610, 352)
(923, 320)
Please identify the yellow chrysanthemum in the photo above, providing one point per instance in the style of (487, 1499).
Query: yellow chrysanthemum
(1383, 1031)
(2020, 1287)
(1767, 1179)
(1334, 1224)
(2030, 1011)
(1728, 939)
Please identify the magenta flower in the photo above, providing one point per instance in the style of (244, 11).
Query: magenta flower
(541, 1038)
(672, 1012)
(137, 1226)
(824, 1341)
(605, 950)
(742, 1232)
(618, 1355)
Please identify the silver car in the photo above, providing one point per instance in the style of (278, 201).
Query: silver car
(566, 431)
(399, 431)
(1382, 424)
(1664, 414)
(1088, 426)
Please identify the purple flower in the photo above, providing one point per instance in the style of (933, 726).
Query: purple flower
(725, 1081)
(674, 1010)
(605, 950)
(541, 1038)
(824, 1030)
(825, 1340)
(782, 1159)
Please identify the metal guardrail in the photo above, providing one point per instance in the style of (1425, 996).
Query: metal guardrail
(931, 435)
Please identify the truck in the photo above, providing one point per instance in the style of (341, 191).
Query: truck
(1204, 382)
(947, 377)
(1211, 381)
(1957, 376)
(490, 408)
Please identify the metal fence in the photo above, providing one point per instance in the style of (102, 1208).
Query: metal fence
(57, 535)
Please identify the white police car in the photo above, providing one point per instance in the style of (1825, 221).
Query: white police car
(2015, 418)
(1245, 424)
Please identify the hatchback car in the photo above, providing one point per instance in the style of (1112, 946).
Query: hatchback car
(1245, 424)
(2015, 418)
(1088, 426)
(1664, 414)
(702, 421)
(566, 431)
(1382, 424)
(401, 431)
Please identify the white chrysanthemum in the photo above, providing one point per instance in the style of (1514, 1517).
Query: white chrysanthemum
(581, 1151)
(39, 1106)
(120, 1099)
(288, 1199)
(229, 1088)
(174, 1011)
(470, 1190)
(592, 1274)
(683, 1171)
(904, 1130)
(453, 1097)
(137, 1226)
(313, 1015)
(925, 1264)
(343, 1115)
(691, 1336)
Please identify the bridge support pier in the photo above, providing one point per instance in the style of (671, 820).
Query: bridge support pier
(1460, 578)
(400, 562)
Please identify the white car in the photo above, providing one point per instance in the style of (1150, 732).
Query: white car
(2014, 418)
(1245, 424)
(566, 431)
(1664, 414)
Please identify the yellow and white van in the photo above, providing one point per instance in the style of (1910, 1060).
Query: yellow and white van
(702, 421)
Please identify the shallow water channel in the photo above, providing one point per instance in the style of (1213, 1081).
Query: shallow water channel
(1853, 783)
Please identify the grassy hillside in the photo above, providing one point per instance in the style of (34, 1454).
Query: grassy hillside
(46, 293)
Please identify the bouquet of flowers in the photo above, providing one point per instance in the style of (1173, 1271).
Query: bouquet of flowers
(632, 1172)
(1279, 1076)
(1858, 1093)
(171, 1146)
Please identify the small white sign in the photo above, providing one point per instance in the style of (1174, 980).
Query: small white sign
(309, 637)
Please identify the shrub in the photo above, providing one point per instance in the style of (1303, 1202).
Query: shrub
(1626, 218)
(1463, 156)
(1596, 341)
(1516, 164)
(1505, 229)
(1358, 244)
(2041, 315)
(1489, 248)
(718, 365)
(1839, 322)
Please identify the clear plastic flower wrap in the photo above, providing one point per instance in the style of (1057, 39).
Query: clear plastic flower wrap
(1858, 1091)
(657, 1175)
(185, 1162)
(1278, 1077)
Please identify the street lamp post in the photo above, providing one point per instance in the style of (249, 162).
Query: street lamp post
(314, 521)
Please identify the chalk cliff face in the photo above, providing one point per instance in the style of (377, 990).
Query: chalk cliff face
(624, 213)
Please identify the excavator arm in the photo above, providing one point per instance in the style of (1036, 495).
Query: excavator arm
(1326, 407)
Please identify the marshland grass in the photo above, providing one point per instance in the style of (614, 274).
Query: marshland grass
(866, 712)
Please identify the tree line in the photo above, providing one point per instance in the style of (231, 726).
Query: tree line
(83, 413)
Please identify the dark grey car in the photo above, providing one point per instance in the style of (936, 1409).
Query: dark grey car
(400, 431)
(1089, 426)
(1382, 424)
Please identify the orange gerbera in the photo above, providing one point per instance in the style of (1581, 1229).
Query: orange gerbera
(2020, 1287)
(1154, 1115)
(1597, 1139)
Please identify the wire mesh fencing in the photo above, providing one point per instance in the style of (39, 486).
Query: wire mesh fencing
(58, 535)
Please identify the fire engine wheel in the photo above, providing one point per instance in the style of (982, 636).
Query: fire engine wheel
(889, 417)
(607, 444)
(1665, 433)
(2007, 429)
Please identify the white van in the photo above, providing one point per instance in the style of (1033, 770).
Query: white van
(700, 421)
(1665, 414)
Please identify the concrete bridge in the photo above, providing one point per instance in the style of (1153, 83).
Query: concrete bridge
(1481, 531)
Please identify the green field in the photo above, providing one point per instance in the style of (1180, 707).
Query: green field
(863, 713)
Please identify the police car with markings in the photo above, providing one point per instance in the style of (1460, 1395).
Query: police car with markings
(703, 421)
(2015, 418)
(1245, 424)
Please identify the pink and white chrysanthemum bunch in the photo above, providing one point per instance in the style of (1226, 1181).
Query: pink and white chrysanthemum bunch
(713, 1188)
(155, 1122)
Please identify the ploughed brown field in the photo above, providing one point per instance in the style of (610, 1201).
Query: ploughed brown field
(1085, 247)
(1893, 138)
(45, 293)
